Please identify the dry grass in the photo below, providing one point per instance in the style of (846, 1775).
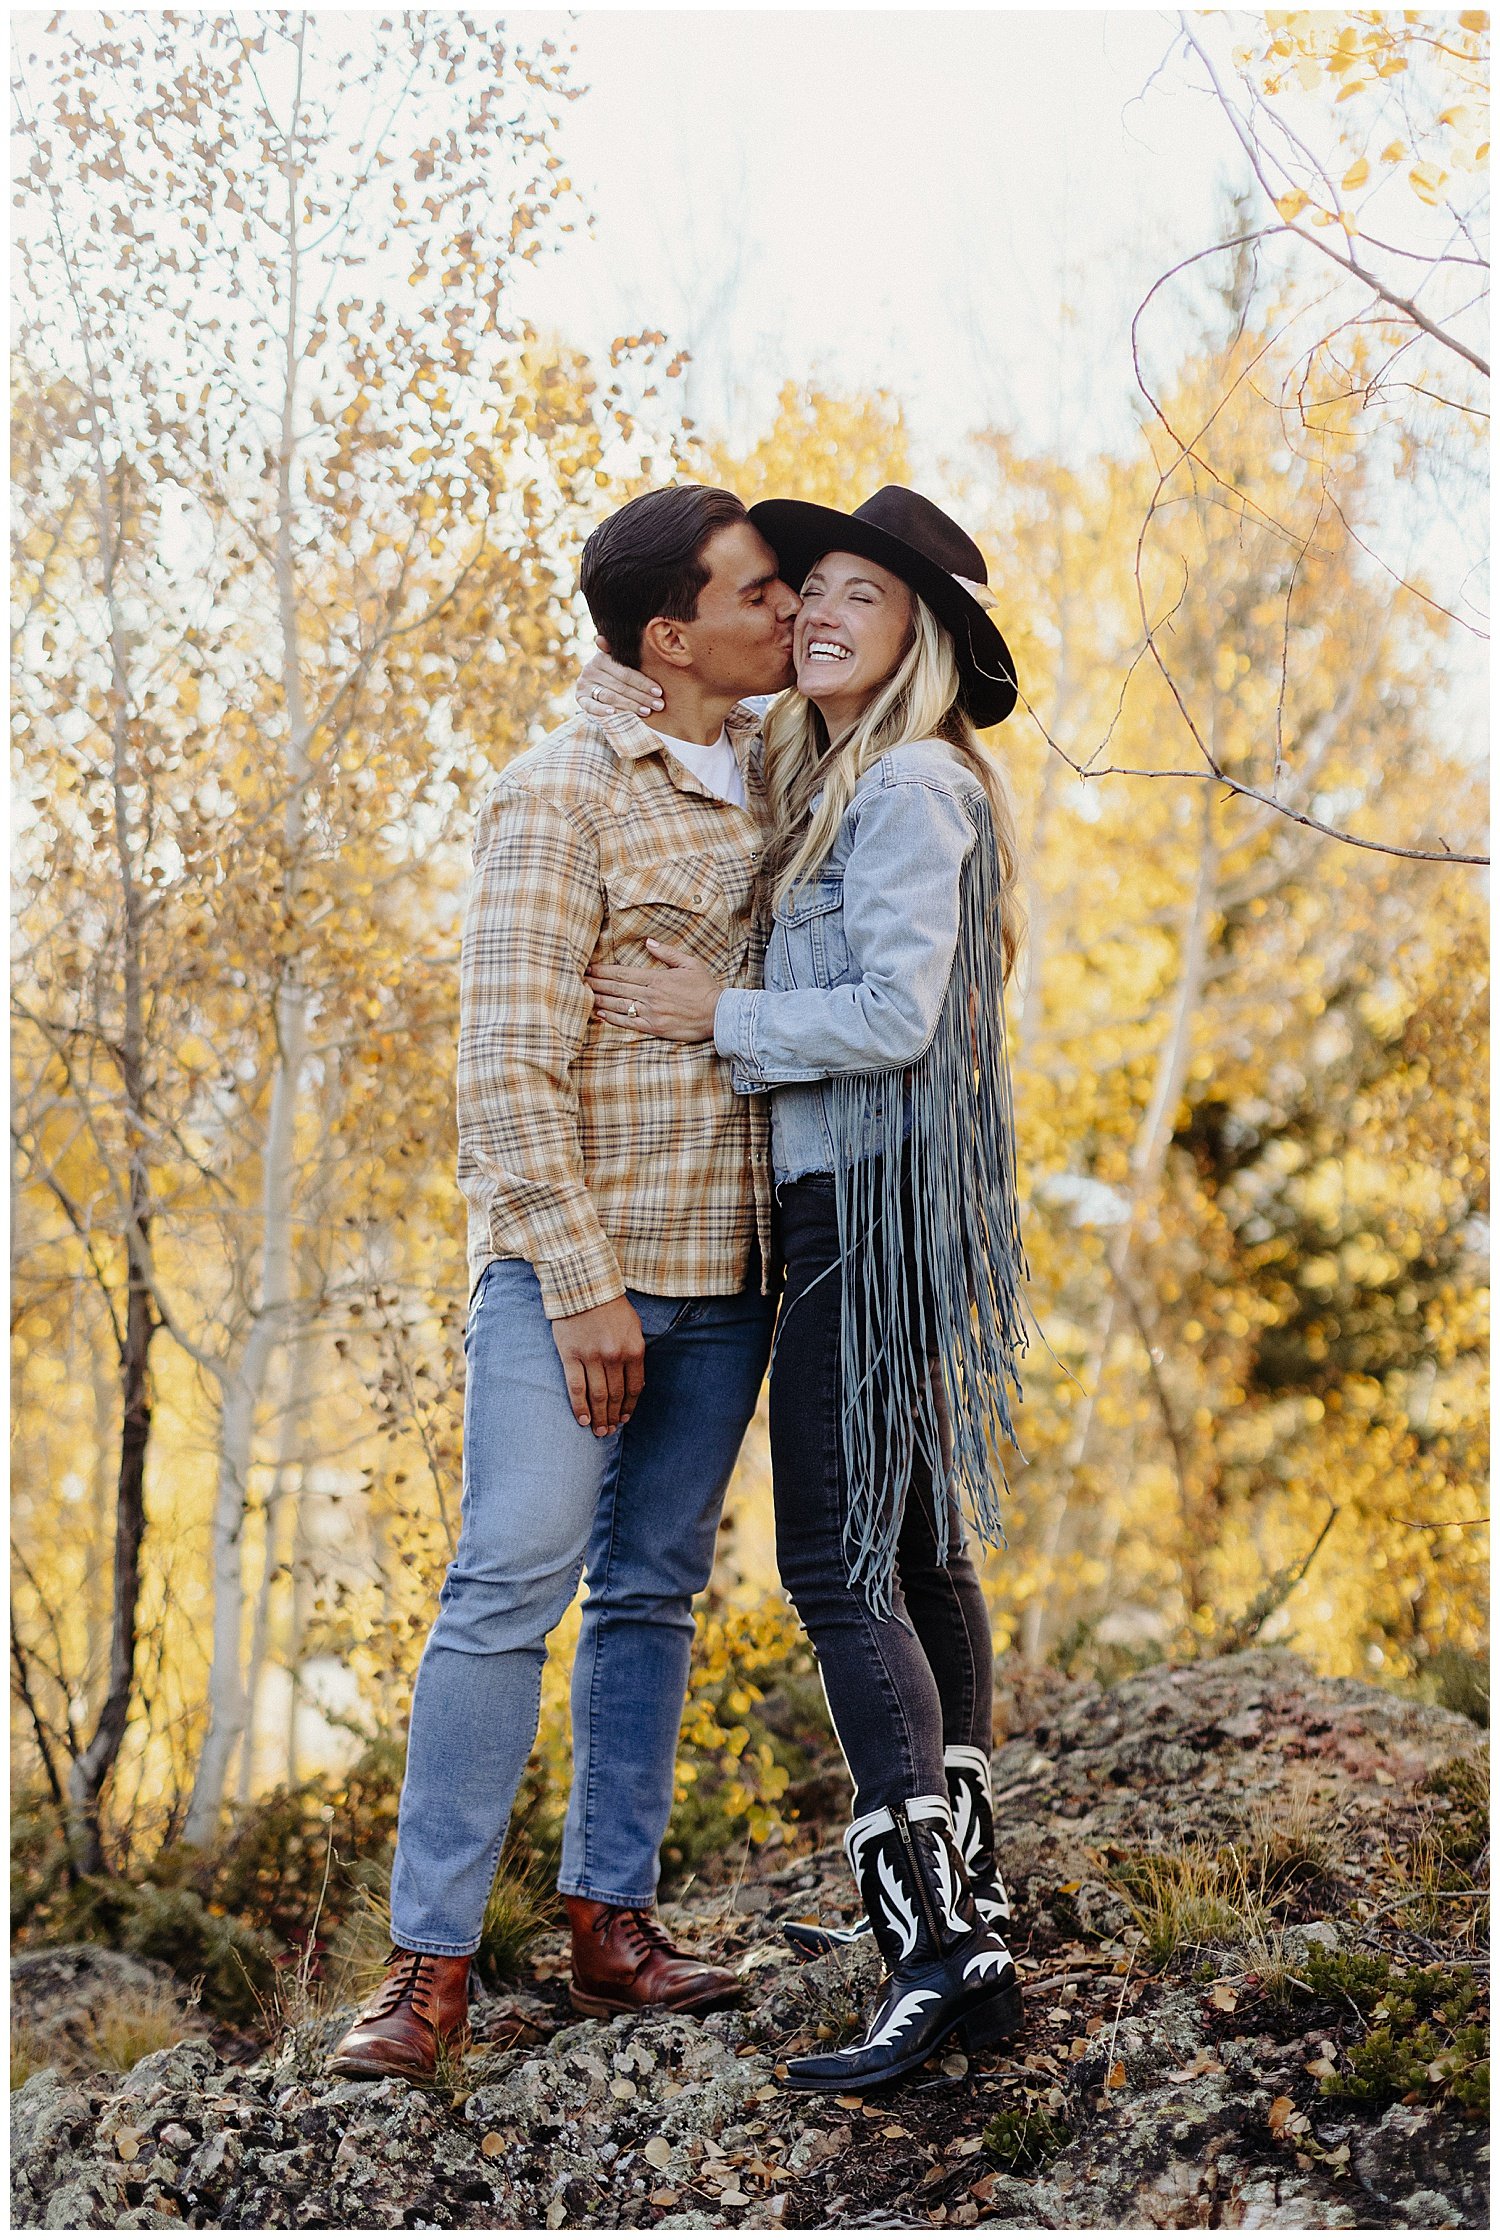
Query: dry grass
(1197, 1895)
(123, 2028)
(1188, 1898)
(1439, 1897)
(1288, 1839)
(522, 1906)
(1279, 1967)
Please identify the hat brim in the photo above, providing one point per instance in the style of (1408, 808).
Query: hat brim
(799, 534)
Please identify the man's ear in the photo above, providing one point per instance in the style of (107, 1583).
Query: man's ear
(663, 639)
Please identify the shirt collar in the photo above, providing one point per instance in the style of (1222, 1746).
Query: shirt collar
(632, 738)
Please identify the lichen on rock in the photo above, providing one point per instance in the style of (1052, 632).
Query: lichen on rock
(1206, 2088)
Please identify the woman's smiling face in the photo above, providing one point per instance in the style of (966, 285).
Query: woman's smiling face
(851, 635)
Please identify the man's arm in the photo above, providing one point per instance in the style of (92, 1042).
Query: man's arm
(532, 921)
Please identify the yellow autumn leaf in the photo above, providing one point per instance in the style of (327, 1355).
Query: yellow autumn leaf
(1393, 151)
(1427, 182)
(1475, 19)
(1356, 175)
(1292, 204)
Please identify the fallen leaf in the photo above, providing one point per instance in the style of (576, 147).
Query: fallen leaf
(1115, 2078)
(1322, 2067)
(1279, 2114)
(556, 2214)
(895, 2131)
(732, 2198)
(127, 2145)
(1224, 1997)
(664, 2197)
(1338, 2154)
(1078, 2047)
(493, 2142)
(983, 2187)
(848, 2100)
(658, 2152)
(1202, 2064)
(956, 2065)
(966, 2146)
(623, 2089)
(768, 2092)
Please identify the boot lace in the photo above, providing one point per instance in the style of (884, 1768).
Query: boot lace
(407, 1980)
(644, 1933)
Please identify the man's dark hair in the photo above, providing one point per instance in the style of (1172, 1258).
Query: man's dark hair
(646, 560)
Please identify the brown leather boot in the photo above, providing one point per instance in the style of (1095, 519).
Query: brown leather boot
(420, 2005)
(623, 1960)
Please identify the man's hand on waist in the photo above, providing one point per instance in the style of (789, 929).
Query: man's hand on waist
(604, 1360)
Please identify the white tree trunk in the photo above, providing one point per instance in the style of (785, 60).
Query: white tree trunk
(275, 1308)
(283, 1495)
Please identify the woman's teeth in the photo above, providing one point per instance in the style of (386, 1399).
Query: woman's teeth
(820, 649)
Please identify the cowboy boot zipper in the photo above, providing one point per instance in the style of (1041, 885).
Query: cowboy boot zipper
(903, 1829)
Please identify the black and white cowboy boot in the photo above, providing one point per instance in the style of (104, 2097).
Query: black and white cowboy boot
(947, 1973)
(971, 1796)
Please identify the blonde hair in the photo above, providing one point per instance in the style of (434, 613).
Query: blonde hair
(919, 700)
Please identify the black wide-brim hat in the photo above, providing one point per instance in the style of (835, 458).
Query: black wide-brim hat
(916, 541)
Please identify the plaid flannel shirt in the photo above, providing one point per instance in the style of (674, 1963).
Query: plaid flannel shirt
(603, 1157)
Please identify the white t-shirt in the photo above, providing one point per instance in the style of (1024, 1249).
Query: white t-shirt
(715, 766)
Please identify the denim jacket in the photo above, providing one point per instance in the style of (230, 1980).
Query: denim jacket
(859, 957)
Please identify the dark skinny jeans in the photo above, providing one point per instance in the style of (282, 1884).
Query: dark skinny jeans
(901, 1688)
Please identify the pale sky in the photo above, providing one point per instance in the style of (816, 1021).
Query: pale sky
(964, 207)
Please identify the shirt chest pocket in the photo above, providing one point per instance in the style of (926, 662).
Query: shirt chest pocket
(683, 901)
(811, 927)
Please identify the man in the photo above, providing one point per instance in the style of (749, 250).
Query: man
(619, 1316)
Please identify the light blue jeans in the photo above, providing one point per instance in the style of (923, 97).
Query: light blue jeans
(542, 1499)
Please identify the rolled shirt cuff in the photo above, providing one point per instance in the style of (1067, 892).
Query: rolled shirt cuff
(734, 1037)
(577, 1281)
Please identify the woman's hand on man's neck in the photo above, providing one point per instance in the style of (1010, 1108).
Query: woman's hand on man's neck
(692, 710)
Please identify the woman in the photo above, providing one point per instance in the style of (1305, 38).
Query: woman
(880, 1031)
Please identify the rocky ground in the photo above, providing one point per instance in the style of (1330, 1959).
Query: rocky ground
(1243, 1898)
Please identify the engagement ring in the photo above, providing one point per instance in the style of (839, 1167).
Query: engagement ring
(630, 1010)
